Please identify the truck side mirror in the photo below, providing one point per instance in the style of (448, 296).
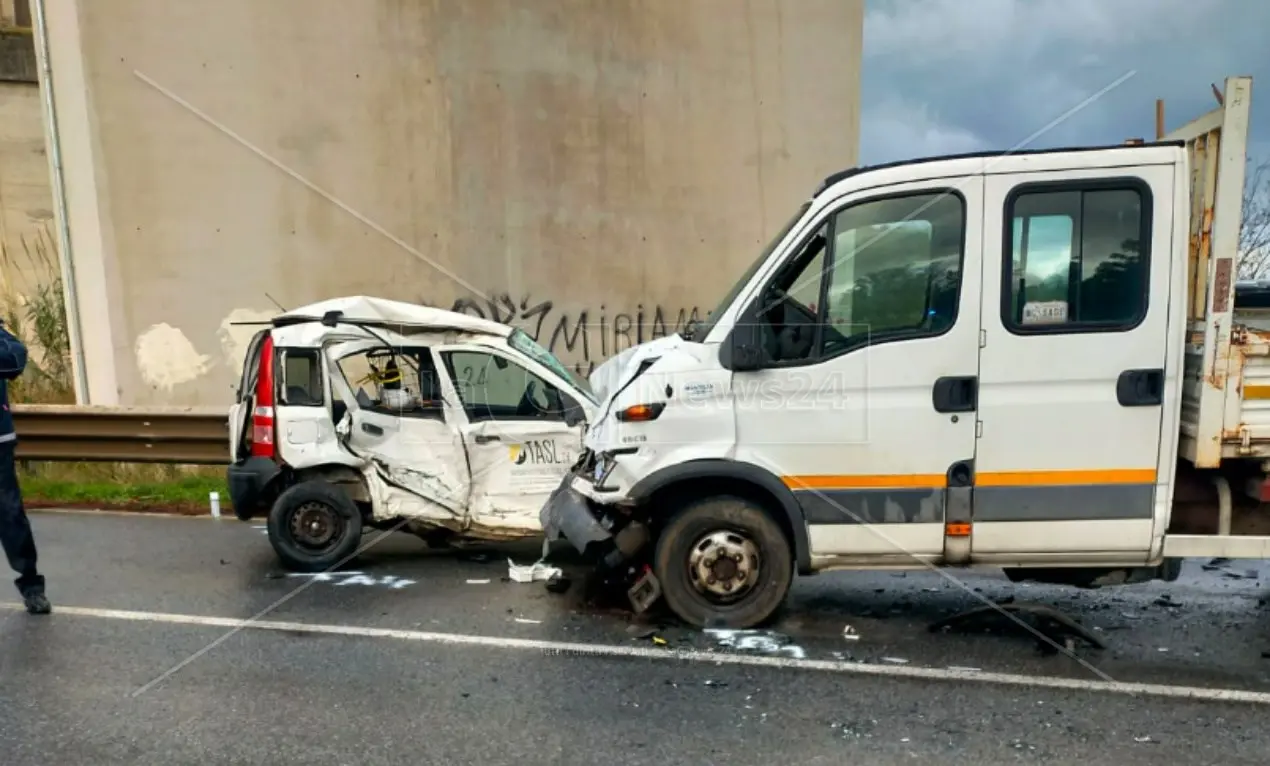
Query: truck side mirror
(742, 349)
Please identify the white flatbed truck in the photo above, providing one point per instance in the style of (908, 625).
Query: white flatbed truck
(1038, 361)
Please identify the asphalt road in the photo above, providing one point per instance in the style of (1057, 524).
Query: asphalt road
(416, 656)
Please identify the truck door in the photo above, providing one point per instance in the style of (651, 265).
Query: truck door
(1072, 373)
(865, 402)
(521, 431)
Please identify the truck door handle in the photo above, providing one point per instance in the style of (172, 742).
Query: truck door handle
(1140, 388)
(372, 429)
(956, 394)
(486, 438)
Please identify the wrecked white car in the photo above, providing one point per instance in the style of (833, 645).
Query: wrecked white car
(362, 412)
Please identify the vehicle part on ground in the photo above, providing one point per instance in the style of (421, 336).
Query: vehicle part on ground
(314, 526)
(723, 562)
(1047, 620)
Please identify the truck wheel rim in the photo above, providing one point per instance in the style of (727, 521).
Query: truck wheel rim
(316, 526)
(724, 565)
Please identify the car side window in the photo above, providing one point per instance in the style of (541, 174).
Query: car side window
(492, 387)
(301, 378)
(879, 270)
(397, 381)
(1077, 258)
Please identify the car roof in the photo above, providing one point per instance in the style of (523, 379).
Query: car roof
(381, 312)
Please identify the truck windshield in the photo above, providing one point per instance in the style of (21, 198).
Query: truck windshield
(522, 342)
(701, 330)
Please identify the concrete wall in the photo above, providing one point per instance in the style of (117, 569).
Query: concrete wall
(597, 170)
(28, 247)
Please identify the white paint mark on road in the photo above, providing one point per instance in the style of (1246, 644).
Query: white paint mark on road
(355, 578)
(566, 648)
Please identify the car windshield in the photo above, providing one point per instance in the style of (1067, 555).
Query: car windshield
(701, 330)
(522, 342)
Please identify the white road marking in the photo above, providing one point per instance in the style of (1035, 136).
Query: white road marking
(566, 648)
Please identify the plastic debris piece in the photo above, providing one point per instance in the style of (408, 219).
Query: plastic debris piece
(478, 582)
(527, 621)
(539, 570)
(895, 660)
(659, 641)
(849, 634)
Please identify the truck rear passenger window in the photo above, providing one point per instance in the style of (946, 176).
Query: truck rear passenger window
(1078, 258)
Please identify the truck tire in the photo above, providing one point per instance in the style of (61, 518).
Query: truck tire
(723, 562)
(313, 526)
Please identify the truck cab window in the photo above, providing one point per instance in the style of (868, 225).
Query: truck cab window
(880, 270)
(1078, 260)
(790, 310)
(896, 270)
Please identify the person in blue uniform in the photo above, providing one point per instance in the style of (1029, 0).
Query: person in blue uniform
(15, 528)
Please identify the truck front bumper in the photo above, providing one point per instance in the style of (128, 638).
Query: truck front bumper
(570, 515)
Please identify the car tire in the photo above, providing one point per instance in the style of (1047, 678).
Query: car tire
(695, 537)
(314, 526)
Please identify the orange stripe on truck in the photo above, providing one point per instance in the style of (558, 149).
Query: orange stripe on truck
(987, 479)
(1065, 478)
(867, 481)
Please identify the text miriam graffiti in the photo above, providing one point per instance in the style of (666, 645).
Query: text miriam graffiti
(586, 336)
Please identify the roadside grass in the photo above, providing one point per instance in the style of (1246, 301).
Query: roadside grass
(33, 308)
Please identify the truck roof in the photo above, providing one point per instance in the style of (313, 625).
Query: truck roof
(843, 175)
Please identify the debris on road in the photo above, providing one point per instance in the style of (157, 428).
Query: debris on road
(641, 632)
(895, 660)
(759, 641)
(558, 584)
(478, 582)
(849, 633)
(527, 621)
(539, 570)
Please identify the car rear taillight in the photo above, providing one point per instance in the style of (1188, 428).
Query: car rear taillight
(262, 422)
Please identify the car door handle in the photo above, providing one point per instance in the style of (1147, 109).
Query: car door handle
(956, 394)
(1140, 388)
(486, 438)
(372, 429)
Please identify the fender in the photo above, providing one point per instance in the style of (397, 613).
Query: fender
(734, 470)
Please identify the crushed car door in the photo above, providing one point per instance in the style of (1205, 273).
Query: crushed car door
(393, 416)
(522, 433)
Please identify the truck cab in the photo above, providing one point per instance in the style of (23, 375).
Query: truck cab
(975, 360)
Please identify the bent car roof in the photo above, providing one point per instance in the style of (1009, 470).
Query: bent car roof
(362, 309)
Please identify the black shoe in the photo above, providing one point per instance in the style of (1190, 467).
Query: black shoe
(37, 603)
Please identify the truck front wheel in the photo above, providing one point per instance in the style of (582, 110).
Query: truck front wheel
(723, 562)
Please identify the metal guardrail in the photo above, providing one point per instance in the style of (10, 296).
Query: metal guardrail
(182, 435)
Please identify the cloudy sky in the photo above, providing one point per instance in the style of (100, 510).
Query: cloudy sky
(945, 76)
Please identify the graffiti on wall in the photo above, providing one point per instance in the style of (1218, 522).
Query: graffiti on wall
(581, 337)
